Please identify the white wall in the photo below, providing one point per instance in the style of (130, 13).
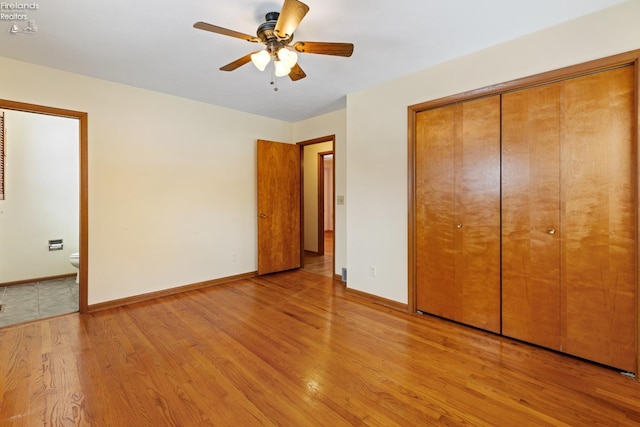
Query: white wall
(310, 181)
(377, 132)
(42, 196)
(334, 123)
(172, 184)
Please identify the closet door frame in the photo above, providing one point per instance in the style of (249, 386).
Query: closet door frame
(631, 58)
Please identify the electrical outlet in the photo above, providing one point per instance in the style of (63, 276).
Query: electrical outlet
(372, 271)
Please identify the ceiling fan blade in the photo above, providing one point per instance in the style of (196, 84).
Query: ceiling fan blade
(297, 73)
(290, 16)
(324, 48)
(225, 32)
(238, 62)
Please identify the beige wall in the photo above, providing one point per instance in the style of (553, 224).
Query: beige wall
(377, 132)
(172, 184)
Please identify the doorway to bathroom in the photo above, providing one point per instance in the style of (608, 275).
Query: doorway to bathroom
(43, 214)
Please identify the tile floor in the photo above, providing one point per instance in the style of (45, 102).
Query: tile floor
(31, 301)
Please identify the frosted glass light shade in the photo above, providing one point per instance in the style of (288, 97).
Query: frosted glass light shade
(288, 57)
(282, 69)
(261, 59)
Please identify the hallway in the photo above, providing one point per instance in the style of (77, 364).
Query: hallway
(321, 264)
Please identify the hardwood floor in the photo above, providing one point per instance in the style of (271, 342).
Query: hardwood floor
(321, 264)
(291, 349)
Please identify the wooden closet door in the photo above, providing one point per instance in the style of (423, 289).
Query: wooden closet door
(458, 212)
(437, 131)
(531, 215)
(598, 216)
(477, 214)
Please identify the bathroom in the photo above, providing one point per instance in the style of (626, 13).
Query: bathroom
(39, 217)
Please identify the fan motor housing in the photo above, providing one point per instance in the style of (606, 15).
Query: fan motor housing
(266, 31)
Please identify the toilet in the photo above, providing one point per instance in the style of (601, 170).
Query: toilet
(74, 259)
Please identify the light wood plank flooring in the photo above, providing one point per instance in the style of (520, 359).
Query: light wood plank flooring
(291, 349)
(321, 264)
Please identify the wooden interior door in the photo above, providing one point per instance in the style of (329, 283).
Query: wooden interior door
(599, 217)
(279, 220)
(458, 212)
(531, 215)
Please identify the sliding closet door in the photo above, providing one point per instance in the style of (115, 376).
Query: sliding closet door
(598, 216)
(458, 212)
(477, 216)
(569, 221)
(437, 133)
(530, 215)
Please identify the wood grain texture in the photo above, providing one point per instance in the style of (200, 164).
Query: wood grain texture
(478, 210)
(569, 164)
(584, 68)
(279, 207)
(458, 212)
(291, 349)
(598, 215)
(606, 271)
(436, 133)
(530, 208)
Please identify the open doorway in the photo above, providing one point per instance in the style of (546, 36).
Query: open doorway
(318, 189)
(51, 212)
(326, 190)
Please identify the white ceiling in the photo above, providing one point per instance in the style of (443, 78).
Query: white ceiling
(152, 44)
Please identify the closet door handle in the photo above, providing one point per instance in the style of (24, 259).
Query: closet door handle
(551, 231)
(459, 225)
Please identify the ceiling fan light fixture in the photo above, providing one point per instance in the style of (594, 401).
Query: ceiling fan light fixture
(288, 57)
(282, 69)
(276, 34)
(261, 59)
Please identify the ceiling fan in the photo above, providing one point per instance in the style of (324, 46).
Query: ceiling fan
(277, 35)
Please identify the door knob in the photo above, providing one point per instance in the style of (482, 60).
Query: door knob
(551, 231)
(263, 215)
(459, 225)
